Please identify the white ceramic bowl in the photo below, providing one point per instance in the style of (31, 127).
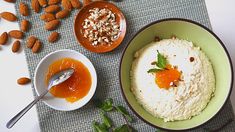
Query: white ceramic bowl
(40, 85)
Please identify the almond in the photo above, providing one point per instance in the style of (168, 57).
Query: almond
(66, 4)
(75, 4)
(62, 14)
(37, 46)
(86, 2)
(8, 16)
(23, 80)
(35, 6)
(16, 34)
(3, 38)
(11, 1)
(24, 25)
(23, 8)
(54, 36)
(16, 46)
(52, 2)
(47, 17)
(31, 41)
(52, 24)
(52, 9)
(42, 3)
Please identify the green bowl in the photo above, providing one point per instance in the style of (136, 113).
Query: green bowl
(200, 36)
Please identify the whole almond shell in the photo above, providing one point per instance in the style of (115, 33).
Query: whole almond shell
(75, 4)
(37, 46)
(31, 41)
(23, 8)
(42, 3)
(66, 5)
(35, 6)
(23, 80)
(52, 25)
(52, 9)
(3, 38)
(52, 2)
(16, 46)
(24, 25)
(8, 16)
(47, 17)
(62, 14)
(54, 36)
(11, 1)
(16, 34)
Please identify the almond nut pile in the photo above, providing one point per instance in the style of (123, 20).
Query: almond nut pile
(101, 27)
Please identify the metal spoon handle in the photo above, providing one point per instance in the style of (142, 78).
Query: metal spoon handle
(12, 122)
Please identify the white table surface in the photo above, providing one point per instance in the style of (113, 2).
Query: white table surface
(12, 66)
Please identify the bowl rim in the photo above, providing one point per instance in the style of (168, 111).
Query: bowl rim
(197, 24)
(120, 12)
(55, 52)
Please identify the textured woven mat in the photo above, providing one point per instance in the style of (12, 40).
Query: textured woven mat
(138, 14)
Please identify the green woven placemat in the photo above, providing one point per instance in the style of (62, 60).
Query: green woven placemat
(138, 13)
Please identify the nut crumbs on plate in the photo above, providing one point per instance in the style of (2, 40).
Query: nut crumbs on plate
(101, 27)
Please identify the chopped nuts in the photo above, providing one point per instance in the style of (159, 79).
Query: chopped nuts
(101, 27)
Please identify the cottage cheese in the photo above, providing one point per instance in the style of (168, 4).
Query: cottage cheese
(191, 95)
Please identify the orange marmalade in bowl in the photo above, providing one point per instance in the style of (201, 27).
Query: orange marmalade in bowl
(77, 86)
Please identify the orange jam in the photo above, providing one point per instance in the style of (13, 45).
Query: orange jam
(167, 77)
(77, 86)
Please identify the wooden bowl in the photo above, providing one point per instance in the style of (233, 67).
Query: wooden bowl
(84, 13)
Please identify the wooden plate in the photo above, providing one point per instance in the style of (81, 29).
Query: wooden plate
(84, 13)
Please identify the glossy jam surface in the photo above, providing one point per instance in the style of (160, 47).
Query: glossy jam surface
(167, 78)
(77, 86)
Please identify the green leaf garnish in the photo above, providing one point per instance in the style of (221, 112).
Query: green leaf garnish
(124, 112)
(160, 63)
(123, 128)
(154, 70)
(107, 121)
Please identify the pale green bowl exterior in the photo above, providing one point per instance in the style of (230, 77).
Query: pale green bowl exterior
(200, 36)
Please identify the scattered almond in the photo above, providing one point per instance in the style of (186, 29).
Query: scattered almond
(54, 36)
(75, 4)
(8, 16)
(42, 3)
(52, 9)
(52, 2)
(23, 8)
(47, 17)
(23, 80)
(11, 1)
(16, 46)
(24, 25)
(86, 2)
(3, 38)
(37, 46)
(16, 34)
(35, 6)
(52, 24)
(31, 41)
(62, 14)
(66, 4)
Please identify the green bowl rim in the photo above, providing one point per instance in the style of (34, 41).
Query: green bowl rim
(197, 24)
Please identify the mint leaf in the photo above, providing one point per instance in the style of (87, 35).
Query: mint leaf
(154, 70)
(107, 121)
(124, 112)
(99, 128)
(161, 61)
(123, 128)
(107, 105)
